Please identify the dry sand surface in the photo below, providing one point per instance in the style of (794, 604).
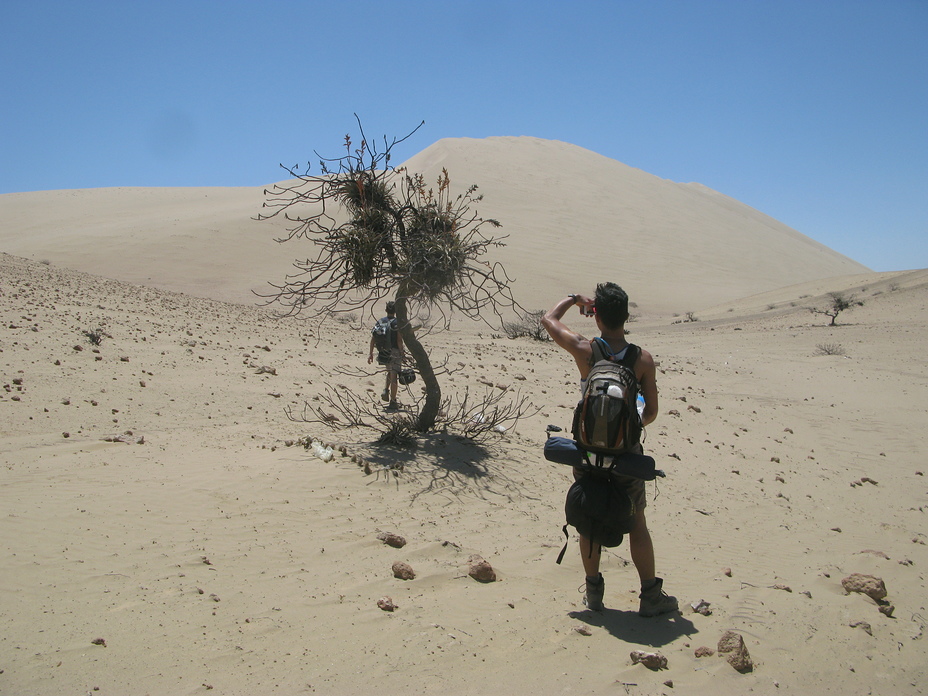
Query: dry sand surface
(202, 554)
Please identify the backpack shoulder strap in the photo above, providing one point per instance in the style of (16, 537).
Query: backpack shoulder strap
(631, 356)
(601, 350)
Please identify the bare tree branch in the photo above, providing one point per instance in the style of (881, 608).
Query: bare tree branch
(378, 232)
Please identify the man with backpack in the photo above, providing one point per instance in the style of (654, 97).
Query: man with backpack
(609, 307)
(388, 341)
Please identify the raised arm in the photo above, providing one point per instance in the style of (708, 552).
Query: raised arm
(571, 341)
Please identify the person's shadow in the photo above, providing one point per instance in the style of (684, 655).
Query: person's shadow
(653, 631)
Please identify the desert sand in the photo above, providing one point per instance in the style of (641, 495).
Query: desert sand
(165, 533)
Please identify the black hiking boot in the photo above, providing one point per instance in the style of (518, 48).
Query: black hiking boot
(654, 601)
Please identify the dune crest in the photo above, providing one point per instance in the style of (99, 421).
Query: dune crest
(573, 214)
(572, 217)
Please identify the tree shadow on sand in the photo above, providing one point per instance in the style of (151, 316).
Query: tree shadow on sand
(627, 626)
(453, 466)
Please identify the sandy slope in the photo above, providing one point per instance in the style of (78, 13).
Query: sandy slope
(569, 214)
(212, 557)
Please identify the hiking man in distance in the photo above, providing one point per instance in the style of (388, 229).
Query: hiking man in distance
(609, 307)
(388, 341)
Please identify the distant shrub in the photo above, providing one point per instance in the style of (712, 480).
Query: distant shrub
(830, 349)
(96, 336)
(690, 316)
(528, 325)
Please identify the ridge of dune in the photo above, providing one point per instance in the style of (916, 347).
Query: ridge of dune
(572, 218)
(572, 213)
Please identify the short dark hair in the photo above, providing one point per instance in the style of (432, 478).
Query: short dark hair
(391, 307)
(611, 305)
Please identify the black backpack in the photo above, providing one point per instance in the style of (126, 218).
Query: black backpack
(599, 508)
(606, 421)
(383, 338)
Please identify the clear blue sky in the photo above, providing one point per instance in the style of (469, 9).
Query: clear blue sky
(812, 111)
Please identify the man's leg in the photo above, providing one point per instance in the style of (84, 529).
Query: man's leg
(654, 601)
(642, 548)
(590, 555)
(385, 394)
(590, 560)
(392, 383)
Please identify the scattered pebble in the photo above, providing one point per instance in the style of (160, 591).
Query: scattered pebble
(480, 570)
(651, 660)
(869, 585)
(391, 539)
(701, 607)
(386, 604)
(403, 571)
(732, 645)
(874, 552)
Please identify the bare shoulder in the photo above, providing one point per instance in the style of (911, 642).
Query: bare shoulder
(645, 364)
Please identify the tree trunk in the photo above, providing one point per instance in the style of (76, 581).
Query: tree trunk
(429, 410)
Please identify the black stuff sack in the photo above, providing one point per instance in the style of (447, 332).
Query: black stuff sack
(600, 509)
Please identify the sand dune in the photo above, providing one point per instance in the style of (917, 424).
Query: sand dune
(570, 214)
(202, 553)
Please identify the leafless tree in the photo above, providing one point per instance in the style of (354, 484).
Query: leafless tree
(381, 232)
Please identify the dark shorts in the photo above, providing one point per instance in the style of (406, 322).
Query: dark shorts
(395, 363)
(635, 488)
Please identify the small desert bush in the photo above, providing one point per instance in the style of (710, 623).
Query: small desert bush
(400, 432)
(96, 336)
(829, 349)
(528, 325)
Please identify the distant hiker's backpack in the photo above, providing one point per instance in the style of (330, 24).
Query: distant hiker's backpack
(606, 421)
(599, 508)
(383, 339)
